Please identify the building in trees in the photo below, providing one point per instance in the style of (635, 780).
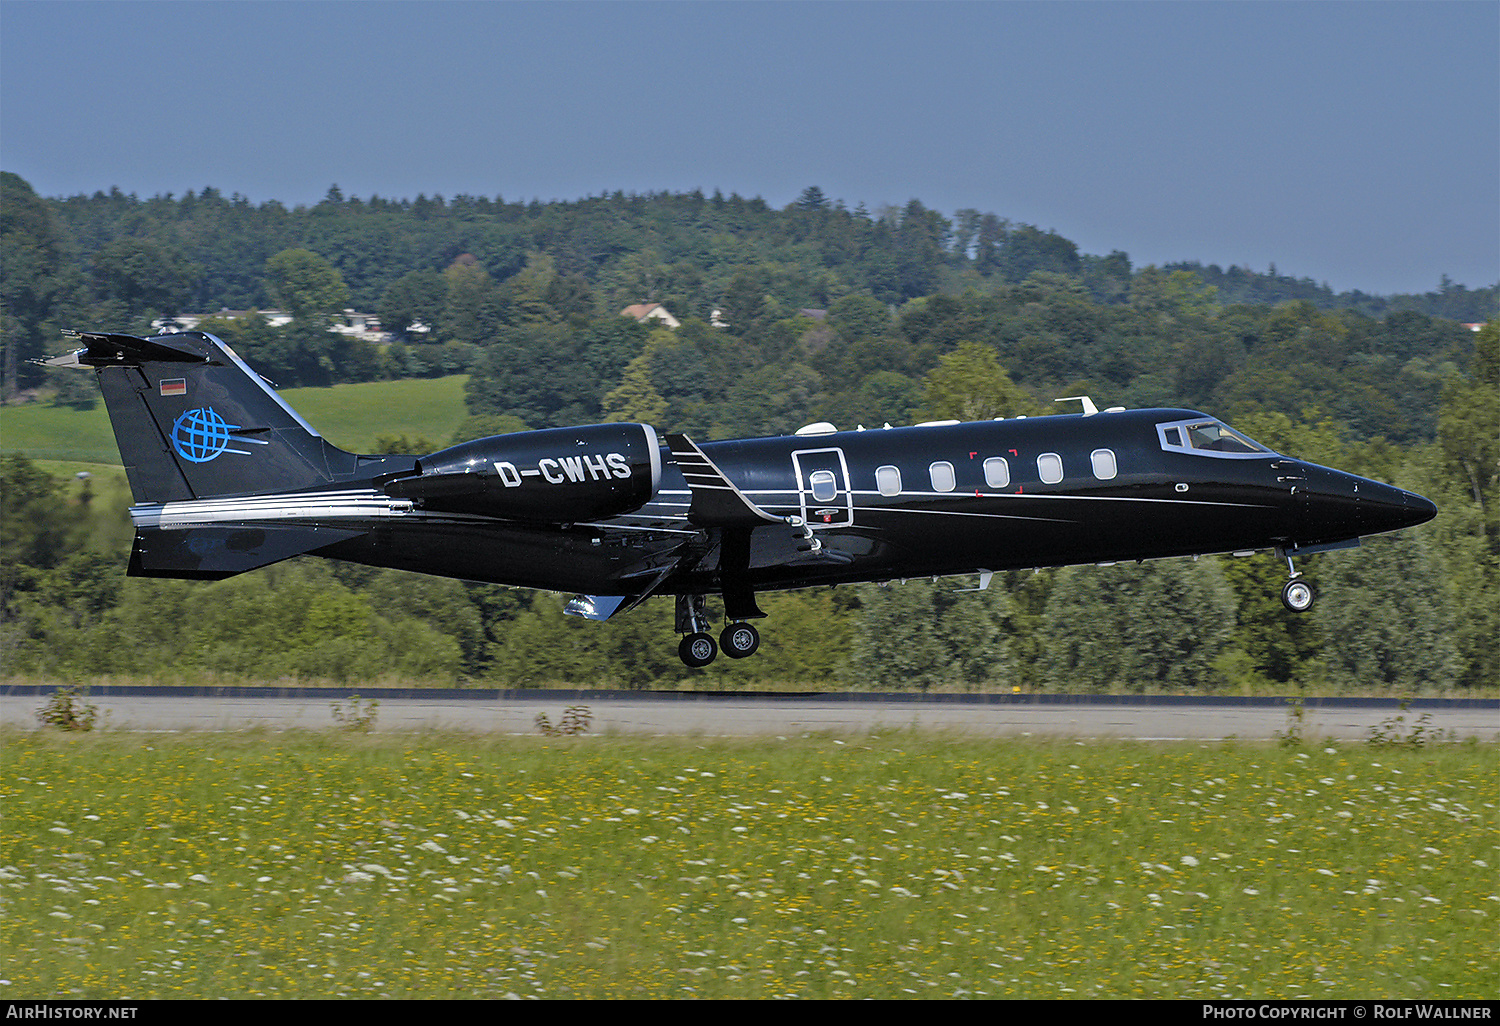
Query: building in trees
(644, 312)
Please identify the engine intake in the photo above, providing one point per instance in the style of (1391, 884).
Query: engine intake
(558, 475)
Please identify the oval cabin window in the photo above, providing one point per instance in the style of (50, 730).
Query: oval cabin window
(1049, 467)
(888, 480)
(997, 472)
(824, 485)
(942, 477)
(1104, 464)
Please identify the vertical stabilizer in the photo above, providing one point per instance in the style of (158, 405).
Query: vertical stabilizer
(193, 421)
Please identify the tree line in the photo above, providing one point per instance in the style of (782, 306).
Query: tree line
(117, 261)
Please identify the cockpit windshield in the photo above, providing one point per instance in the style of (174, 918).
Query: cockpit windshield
(1209, 438)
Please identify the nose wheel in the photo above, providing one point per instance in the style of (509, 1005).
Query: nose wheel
(1297, 594)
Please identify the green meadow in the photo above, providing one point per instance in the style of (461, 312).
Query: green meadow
(349, 416)
(876, 866)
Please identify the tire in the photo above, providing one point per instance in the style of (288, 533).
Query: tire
(1298, 595)
(697, 650)
(739, 640)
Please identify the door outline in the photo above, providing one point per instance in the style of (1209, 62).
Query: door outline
(837, 511)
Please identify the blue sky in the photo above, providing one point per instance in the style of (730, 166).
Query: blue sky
(1356, 144)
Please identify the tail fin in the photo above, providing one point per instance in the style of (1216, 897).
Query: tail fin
(194, 422)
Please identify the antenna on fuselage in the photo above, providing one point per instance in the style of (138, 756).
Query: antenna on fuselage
(1089, 409)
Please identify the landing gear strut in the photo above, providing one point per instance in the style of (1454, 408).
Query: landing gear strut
(1297, 594)
(697, 648)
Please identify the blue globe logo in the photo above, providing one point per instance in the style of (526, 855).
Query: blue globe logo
(200, 435)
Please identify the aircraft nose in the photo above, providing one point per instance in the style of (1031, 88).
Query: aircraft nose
(1386, 508)
(1348, 505)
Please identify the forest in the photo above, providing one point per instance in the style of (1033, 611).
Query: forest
(788, 316)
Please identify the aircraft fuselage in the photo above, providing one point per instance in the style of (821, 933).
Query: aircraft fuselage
(922, 501)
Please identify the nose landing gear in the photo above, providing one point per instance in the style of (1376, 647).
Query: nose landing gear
(1297, 594)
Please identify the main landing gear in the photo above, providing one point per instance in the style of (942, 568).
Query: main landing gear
(697, 649)
(1297, 594)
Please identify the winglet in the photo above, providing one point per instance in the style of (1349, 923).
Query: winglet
(716, 500)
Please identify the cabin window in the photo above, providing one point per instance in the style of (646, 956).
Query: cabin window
(1049, 467)
(824, 485)
(997, 472)
(888, 480)
(943, 479)
(1103, 460)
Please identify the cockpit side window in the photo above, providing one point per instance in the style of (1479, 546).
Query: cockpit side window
(1208, 437)
(1218, 438)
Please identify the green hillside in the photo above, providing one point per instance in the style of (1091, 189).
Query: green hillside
(349, 416)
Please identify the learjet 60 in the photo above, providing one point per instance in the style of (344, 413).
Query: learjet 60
(227, 477)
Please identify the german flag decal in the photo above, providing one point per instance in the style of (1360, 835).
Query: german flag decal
(174, 386)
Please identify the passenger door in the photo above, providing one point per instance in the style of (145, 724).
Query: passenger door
(823, 485)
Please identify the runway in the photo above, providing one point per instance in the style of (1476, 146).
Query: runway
(1142, 718)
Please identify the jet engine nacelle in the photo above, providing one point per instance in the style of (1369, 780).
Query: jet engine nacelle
(559, 475)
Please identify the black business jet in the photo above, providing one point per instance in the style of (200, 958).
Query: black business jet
(227, 477)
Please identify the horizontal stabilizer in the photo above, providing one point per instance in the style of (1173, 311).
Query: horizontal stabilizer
(213, 553)
(716, 500)
(103, 349)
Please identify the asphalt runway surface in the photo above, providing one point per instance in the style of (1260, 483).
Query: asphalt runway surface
(768, 714)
